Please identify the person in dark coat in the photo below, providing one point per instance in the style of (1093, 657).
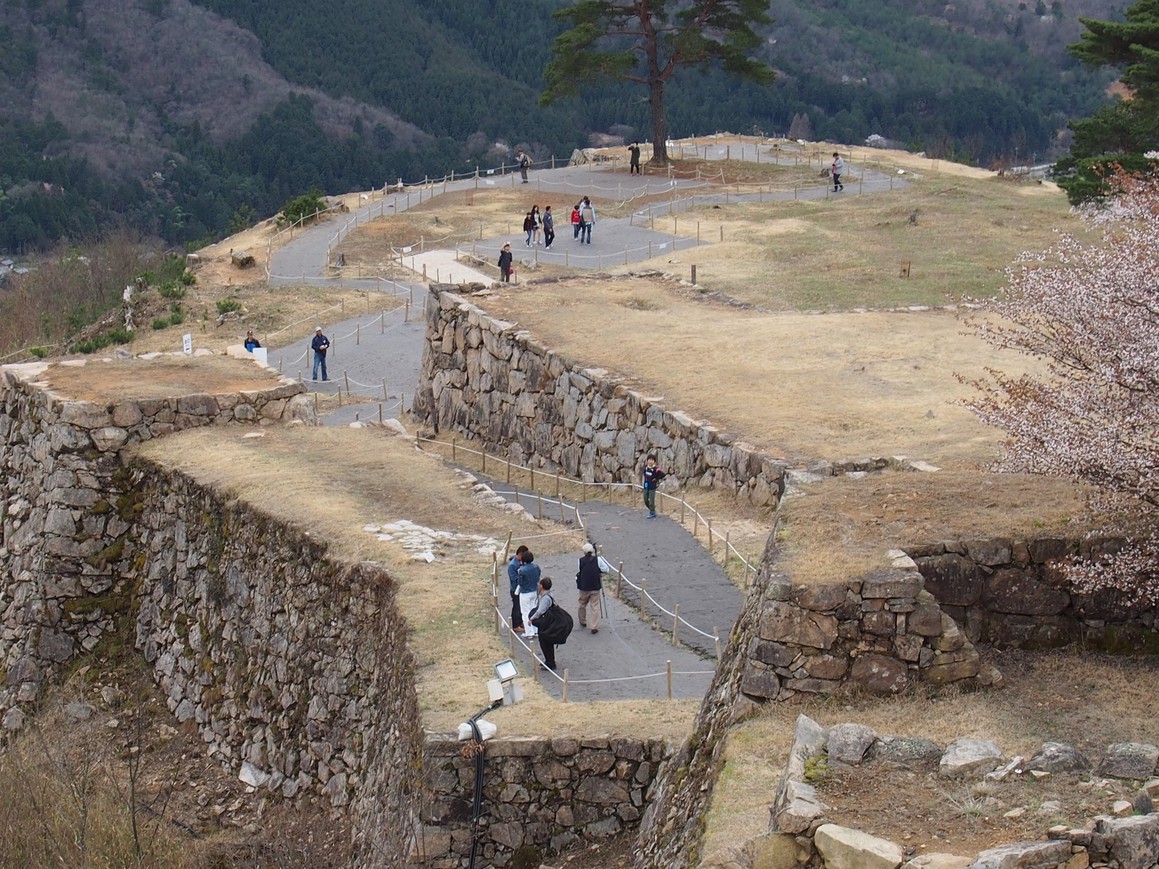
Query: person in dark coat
(634, 165)
(590, 583)
(320, 345)
(513, 579)
(505, 260)
(548, 227)
(542, 605)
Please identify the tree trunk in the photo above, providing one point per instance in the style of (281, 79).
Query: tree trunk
(659, 123)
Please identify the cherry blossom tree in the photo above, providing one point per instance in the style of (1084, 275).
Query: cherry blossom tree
(1091, 312)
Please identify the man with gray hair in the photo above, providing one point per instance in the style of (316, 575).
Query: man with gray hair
(590, 583)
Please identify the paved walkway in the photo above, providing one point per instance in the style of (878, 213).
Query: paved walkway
(629, 657)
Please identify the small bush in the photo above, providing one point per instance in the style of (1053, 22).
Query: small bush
(228, 306)
(120, 335)
(160, 323)
(38, 352)
(176, 317)
(172, 290)
(302, 208)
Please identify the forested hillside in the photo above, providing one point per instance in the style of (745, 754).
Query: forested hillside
(184, 119)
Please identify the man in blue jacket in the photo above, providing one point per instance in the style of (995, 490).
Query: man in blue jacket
(320, 345)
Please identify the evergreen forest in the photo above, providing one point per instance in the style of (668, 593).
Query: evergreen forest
(157, 133)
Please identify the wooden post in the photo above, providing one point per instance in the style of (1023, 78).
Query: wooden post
(454, 449)
(694, 273)
(619, 579)
(346, 377)
(507, 546)
(385, 394)
(668, 670)
(561, 519)
(539, 510)
(357, 334)
(676, 626)
(508, 471)
(557, 486)
(727, 534)
(484, 461)
(565, 680)
(708, 522)
(584, 492)
(716, 640)
(682, 506)
(382, 324)
(532, 486)
(695, 523)
(644, 600)
(380, 413)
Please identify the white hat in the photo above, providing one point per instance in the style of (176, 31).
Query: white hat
(589, 549)
(317, 328)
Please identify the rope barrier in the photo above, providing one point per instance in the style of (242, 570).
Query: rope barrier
(645, 595)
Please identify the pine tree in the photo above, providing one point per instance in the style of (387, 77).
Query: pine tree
(647, 41)
(1122, 134)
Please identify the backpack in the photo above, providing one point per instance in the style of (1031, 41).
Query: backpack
(555, 625)
(586, 214)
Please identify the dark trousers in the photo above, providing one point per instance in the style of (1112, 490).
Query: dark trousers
(516, 613)
(548, 649)
(548, 237)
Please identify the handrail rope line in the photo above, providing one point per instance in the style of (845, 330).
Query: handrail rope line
(646, 595)
(634, 486)
(519, 639)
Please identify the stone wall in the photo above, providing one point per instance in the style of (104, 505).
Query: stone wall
(880, 632)
(292, 666)
(540, 796)
(1013, 593)
(66, 521)
(492, 382)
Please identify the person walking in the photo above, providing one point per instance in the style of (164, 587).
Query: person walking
(320, 345)
(528, 228)
(543, 603)
(837, 170)
(575, 222)
(536, 225)
(548, 227)
(634, 163)
(524, 164)
(505, 260)
(590, 583)
(587, 220)
(652, 477)
(513, 565)
(250, 341)
(528, 574)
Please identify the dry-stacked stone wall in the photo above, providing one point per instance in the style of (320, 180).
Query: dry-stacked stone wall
(492, 382)
(881, 632)
(292, 666)
(1013, 593)
(540, 796)
(66, 519)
